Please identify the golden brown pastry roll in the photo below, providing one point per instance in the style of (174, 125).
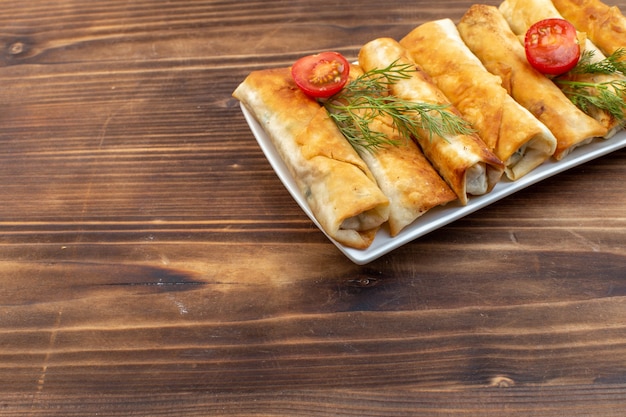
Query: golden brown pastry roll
(508, 129)
(604, 25)
(404, 175)
(336, 183)
(522, 14)
(485, 31)
(462, 160)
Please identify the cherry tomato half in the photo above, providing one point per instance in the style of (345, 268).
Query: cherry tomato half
(552, 46)
(321, 75)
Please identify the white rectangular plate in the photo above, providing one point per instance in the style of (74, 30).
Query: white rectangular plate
(439, 216)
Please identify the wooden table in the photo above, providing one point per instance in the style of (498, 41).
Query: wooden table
(153, 263)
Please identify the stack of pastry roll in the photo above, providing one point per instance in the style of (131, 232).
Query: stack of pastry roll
(338, 186)
(516, 136)
(521, 14)
(488, 35)
(463, 161)
(477, 70)
(603, 24)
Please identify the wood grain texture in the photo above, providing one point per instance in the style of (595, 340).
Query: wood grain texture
(151, 262)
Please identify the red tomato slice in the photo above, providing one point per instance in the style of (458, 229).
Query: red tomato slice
(321, 75)
(552, 46)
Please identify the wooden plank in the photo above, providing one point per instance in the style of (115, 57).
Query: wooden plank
(151, 262)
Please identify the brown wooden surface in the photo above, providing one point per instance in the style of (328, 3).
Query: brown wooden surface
(153, 264)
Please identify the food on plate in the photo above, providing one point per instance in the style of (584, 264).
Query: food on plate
(551, 46)
(597, 93)
(321, 75)
(428, 120)
(403, 173)
(487, 34)
(507, 128)
(463, 160)
(603, 24)
(337, 185)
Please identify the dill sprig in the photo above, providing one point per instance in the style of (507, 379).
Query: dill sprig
(610, 65)
(367, 98)
(608, 96)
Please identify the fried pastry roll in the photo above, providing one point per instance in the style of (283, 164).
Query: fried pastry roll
(604, 25)
(507, 128)
(488, 35)
(462, 160)
(404, 174)
(336, 183)
(522, 14)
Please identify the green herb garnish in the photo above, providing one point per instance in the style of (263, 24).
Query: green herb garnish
(608, 96)
(609, 65)
(367, 97)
